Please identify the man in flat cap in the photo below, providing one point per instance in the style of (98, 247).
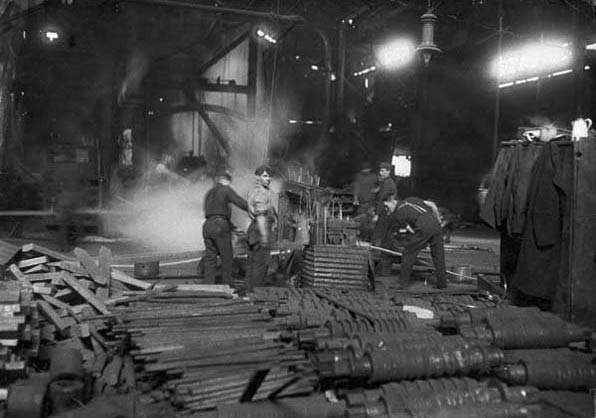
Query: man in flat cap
(259, 234)
(418, 224)
(217, 229)
(386, 188)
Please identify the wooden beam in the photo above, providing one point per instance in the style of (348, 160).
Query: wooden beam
(126, 279)
(51, 315)
(85, 293)
(90, 265)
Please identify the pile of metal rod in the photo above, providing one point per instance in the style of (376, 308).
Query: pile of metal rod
(297, 308)
(363, 304)
(520, 328)
(411, 360)
(561, 369)
(212, 350)
(336, 266)
(424, 395)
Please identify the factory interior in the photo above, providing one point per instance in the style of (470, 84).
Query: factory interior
(297, 208)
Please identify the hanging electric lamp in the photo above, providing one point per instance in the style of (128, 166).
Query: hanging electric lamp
(428, 46)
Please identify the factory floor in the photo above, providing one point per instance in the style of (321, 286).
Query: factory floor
(476, 247)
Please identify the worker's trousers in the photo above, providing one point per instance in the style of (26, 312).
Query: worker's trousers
(258, 263)
(428, 234)
(217, 236)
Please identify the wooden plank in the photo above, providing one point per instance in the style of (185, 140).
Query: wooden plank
(42, 289)
(32, 262)
(18, 274)
(90, 265)
(44, 277)
(47, 311)
(71, 266)
(126, 279)
(37, 269)
(85, 293)
(55, 302)
(9, 292)
(45, 251)
(105, 255)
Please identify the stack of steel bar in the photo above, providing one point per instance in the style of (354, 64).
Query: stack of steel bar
(336, 266)
(209, 350)
(365, 304)
(450, 395)
(414, 358)
(519, 328)
(444, 305)
(561, 369)
(297, 308)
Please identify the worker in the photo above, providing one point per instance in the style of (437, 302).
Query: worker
(365, 184)
(418, 226)
(386, 188)
(217, 229)
(259, 234)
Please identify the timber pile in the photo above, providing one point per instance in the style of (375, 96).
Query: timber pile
(19, 332)
(200, 349)
(51, 300)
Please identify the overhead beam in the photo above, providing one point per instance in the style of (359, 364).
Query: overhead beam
(222, 10)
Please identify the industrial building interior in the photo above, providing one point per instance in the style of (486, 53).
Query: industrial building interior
(297, 208)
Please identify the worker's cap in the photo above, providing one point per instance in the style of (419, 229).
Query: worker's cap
(263, 169)
(386, 166)
(223, 174)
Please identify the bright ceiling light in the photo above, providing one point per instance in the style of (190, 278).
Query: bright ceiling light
(531, 60)
(591, 47)
(51, 35)
(267, 36)
(395, 53)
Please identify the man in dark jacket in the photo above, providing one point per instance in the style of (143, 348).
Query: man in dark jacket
(217, 230)
(418, 226)
(386, 187)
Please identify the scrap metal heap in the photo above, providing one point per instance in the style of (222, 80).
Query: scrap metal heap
(95, 342)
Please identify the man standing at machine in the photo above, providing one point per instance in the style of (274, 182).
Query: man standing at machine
(386, 189)
(418, 226)
(260, 234)
(217, 229)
